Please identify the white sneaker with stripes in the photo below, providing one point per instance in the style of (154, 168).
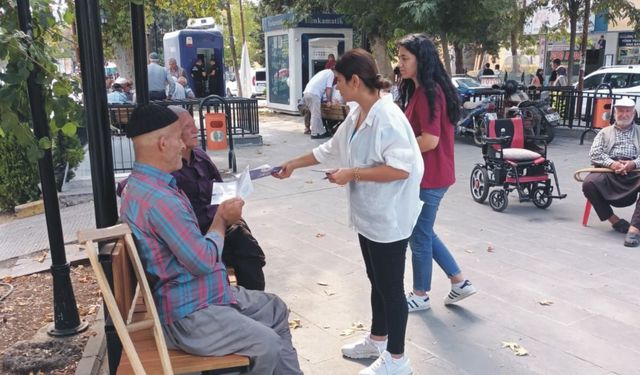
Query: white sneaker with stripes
(461, 292)
(417, 303)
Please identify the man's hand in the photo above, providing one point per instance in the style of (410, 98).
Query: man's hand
(623, 167)
(627, 166)
(231, 210)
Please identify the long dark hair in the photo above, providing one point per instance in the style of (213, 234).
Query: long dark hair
(360, 62)
(540, 76)
(430, 73)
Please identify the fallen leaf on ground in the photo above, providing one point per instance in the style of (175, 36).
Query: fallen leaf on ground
(308, 182)
(515, 348)
(259, 152)
(329, 292)
(322, 283)
(545, 303)
(346, 332)
(295, 323)
(48, 318)
(320, 235)
(469, 251)
(490, 249)
(42, 257)
(358, 326)
(7, 279)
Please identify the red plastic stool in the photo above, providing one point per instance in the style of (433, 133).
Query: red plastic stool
(587, 211)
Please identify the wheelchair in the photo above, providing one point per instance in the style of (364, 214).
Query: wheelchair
(509, 166)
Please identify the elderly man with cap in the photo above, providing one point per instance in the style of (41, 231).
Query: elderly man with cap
(617, 147)
(200, 312)
(159, 78)
(196, 177)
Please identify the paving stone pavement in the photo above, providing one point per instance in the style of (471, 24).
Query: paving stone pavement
(516, 259)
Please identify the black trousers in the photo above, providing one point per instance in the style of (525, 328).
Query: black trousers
(242, 252)
(157, 95)
(385, 270)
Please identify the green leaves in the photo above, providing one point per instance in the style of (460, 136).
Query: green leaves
(22, 55)
(69, 17)
(44, 143)
(69, 129)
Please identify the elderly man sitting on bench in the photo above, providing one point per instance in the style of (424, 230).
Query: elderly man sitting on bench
(200, 312)
(617, 147)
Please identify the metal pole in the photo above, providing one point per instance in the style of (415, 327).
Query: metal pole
(96, 112)
(139, 53)
(66, 319)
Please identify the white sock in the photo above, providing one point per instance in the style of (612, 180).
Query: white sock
(380, 344)
(458, 285)
(398, 360)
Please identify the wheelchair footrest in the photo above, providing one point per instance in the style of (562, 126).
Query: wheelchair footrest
(561, 196)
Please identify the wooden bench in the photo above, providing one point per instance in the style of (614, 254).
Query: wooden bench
(134, 314)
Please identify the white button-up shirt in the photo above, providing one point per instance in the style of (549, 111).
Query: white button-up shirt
(381, 211)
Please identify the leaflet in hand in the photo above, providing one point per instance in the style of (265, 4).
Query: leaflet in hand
(243, 186)
(263, 171)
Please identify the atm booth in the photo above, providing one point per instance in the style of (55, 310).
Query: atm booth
(296, 50)
(201, 39)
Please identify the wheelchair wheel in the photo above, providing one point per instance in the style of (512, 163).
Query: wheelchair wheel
(479, 184)
(541, 198)
(498, 200)
(478, 132)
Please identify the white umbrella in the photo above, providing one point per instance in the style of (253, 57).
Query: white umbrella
(246, 73)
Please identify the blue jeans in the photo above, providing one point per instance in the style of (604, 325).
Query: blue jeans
(425, 244)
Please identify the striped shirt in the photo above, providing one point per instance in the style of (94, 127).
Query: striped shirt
(184, 267)
(623, 148)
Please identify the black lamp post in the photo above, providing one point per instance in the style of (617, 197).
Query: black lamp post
(66, 319)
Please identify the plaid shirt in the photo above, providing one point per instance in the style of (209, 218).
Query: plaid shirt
(184, 267)
(623, 148)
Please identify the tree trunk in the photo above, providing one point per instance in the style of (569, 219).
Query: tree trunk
(232, 44)
(572, 46)
(380, 54)
(124, 60)
(583, 50)
(515, 63)
(457, 47)
(445, 52)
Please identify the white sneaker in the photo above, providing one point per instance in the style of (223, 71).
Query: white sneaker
(458, 293)
(386, 365)
(363, 348)
(417, 303)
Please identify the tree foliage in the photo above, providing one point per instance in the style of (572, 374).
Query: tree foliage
(22, 53)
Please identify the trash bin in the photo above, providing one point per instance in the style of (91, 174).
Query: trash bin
(601, 112)
(216, 131)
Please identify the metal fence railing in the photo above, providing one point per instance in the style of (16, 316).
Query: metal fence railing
(577, 109)
(242, 115)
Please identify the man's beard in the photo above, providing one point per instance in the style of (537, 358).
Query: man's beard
(625, 123)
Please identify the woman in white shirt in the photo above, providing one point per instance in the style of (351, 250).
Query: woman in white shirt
(382, 168)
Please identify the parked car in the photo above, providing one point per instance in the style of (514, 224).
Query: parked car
(260, 83)
(623, 80)
(469, 89)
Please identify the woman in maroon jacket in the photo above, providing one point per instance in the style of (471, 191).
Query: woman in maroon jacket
(431, 104)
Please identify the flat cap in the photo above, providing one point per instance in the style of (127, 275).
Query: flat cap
(625, 102)
(148, 118)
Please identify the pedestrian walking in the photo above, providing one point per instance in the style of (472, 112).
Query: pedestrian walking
(432, 106)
